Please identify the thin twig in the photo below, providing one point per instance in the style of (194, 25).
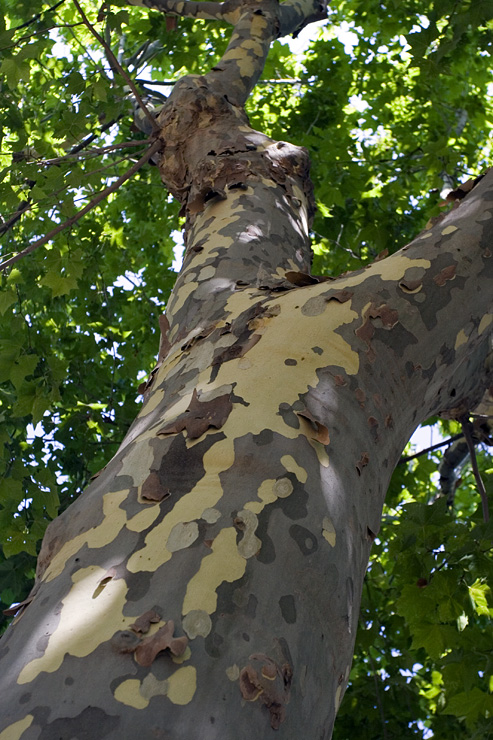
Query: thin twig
(468, 434)
(91, 137)
(93, 152)
(430, 449)
(28, 204)
(38, 15)
(97, 199)
(170, 83)
(118, 66)
(39, 33)
(24, 205)
(108, 166)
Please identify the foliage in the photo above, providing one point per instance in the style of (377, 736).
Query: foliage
(390, 120)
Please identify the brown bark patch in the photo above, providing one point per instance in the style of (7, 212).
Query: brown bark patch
(150, 647)
(366, 331)
(410, 286)
(362, 462)
(448, 273)
(125, 641)
(388, 316)
(300, 279)
(360, 397)
(264, 679)
(200, 416)
(143, 623)
(164, 344)
(320, 431)
(152, 488)
(13, 610)
(389, 422)
(340, 380)
(341, 296)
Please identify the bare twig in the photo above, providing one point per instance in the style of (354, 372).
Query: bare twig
(430, 449)
(39, 33)
(24, 205)
(468, 434)
(118, 66)
(280, 81)
(97, 199)
(38, 15)
(94, 152)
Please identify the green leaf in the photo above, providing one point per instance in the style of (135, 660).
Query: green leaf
(7, 298)
(59, 284)
(469, 705)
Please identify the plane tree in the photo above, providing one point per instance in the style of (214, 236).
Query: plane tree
(208, 581)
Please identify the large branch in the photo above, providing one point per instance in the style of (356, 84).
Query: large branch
(256, 24)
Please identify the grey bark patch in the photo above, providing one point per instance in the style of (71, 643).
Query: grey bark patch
(288, 608)
(89, 724)
(288, 416)
(182, 468)
(264, 438)
(314, 306)
(306, 540)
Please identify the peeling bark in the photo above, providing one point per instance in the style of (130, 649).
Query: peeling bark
(241, 507)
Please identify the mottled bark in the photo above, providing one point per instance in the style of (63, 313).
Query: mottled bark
(207, 584)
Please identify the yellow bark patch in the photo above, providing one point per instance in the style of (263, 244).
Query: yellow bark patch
(128, 693)
(182, 685)
(223, 564)
(485, 322)
(233, 672)
(448, 230)
(189, 508)
(266, 495)
(322, 455)
(143, 519)
(207, 272)
(254, 46)
(391, 268)
(181, 296)
(462, 338)
(338, 697)
(328, 531)
(273, 349)
(292, 467)
(244, 62)
(90, 616)
(154, 400)
(112, 523)
(16, 730)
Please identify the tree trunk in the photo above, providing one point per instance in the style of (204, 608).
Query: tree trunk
(207, 584)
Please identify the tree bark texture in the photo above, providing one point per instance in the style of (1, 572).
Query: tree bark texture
(207, 584)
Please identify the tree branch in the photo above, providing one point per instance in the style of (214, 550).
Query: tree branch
(38, 15)
(468, 434)
(97, 199)
(118, 66)
(201, 10)
(94, 152)
(430, 449)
